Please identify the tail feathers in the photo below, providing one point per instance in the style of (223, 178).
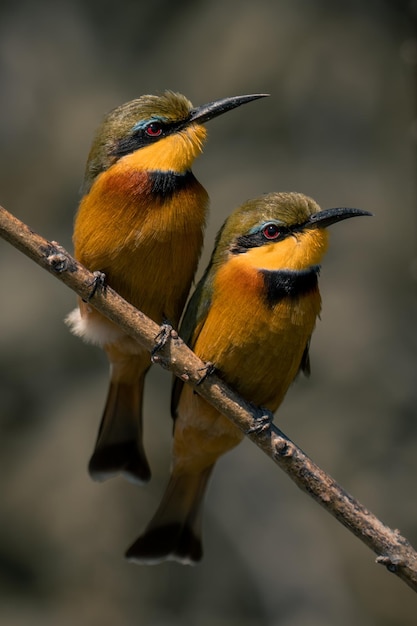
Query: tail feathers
(171, 542)
(119, 448)
(174, 533)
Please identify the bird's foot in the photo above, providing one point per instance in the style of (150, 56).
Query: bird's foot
(208, 369)
(262, 422)
(98, 283)
(166, 331)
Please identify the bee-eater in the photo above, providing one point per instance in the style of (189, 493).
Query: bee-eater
(251, 316)
(140, 222)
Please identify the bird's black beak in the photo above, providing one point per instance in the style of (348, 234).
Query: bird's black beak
(208, 111)
(326, 218)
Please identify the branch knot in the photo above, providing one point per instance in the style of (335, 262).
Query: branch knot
(392, 563)
(58, 259)
(283, 448)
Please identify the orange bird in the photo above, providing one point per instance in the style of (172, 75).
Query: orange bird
(140, 222)
(252, 316)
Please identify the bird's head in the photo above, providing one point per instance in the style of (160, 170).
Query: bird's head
(162, 132)
(279, 231)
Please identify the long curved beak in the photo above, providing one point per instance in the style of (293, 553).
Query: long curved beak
(207, 112)
(326, 218)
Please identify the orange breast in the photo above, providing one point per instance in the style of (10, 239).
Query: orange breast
(148, 247)
(257, 348)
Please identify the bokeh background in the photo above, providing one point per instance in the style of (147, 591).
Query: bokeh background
(341, 126)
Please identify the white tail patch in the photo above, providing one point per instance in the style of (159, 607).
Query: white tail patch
(93, 329)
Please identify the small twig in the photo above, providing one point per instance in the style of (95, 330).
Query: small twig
(393, 550)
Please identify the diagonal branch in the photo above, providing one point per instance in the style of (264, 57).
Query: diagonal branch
(393, 550)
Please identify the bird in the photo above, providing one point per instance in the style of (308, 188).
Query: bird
(139, 227)
(251, 317)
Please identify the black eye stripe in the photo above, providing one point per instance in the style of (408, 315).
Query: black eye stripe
(141, 137)
(258, 239)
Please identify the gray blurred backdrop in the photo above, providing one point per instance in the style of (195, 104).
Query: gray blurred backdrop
(340, 126)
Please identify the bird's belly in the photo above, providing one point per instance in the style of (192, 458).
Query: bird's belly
(202, 434)
(259, 352)
(147, 251)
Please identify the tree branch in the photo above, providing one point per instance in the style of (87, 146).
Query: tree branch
(393, 550)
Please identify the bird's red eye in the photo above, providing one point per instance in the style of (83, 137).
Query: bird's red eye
(154, 129)
(271, 231)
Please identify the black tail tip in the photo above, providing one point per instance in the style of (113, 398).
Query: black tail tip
(173, 542)
(120, 458)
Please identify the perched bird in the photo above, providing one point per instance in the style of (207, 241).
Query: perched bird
(252, 316)
(140, 222)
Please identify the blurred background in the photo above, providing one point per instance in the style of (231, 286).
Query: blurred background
(341, 126)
